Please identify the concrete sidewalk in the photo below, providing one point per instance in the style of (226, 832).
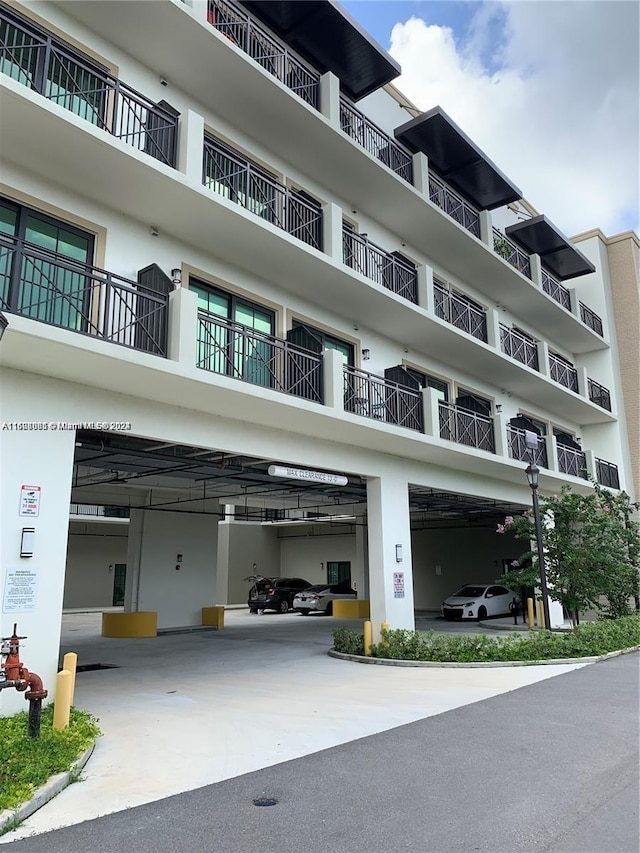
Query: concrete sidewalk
(183, 711)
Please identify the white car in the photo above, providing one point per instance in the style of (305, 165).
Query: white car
(320, 598)
(479, 601)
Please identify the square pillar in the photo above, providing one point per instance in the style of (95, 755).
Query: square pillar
(332, 232)
(421, 173)
(191, 146)
(552, 452)
(431, 412)
(493, 329)
(390, 564)
(330, 98)
(183, 327)
(362, 557)
(583, 382)
(486, 228)
(500, 435)
(543, 358)
(333, 379)
(425, 288)
(536, 270)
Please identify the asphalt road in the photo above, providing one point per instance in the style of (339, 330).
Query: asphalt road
(550, 767)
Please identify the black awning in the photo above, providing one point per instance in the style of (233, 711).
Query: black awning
(331, 40)
(457, 159)
(541, 237)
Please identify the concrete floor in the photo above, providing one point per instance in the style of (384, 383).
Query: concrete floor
(182, 711)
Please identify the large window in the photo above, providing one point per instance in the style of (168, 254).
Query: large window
(316, 340)
(426, 381)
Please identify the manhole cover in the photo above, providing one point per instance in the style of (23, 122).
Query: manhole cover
(265, 801)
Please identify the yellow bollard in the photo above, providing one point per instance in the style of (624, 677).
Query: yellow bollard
(530, 616)
(368, 638)
(70, 662)
(540, 614)
(62, 706)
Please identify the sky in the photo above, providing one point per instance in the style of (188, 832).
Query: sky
(548, 89)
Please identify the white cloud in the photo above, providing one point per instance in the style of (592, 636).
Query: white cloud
(550, 92)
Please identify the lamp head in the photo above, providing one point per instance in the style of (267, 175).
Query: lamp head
(533, 472)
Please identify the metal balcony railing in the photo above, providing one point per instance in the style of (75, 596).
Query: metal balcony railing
(563, 373)
(240, 29)
(521, 348)
(457, 311)
(447, 199)
(598, 394)
(591, 319)
(235, 350)
(571, 461)
(382, 400)
(518, 447)
(386, 269)
(37, 60)
(53, 289)
(607, 474)
(465, 427)
(511, 253)
(356, 125)
(555, 290)
(88, 510)
(231, 175)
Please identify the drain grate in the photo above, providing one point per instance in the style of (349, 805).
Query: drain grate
(91, 667)
(265, 801)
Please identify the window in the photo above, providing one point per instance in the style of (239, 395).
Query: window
(426, 381)
(316, 340)
(473, 403)
(339, 573)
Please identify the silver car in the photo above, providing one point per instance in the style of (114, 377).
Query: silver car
(320, 598)
(479, 601)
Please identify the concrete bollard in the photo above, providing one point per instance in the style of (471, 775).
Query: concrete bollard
(540, 614)
(368, 637)
(70, 663)
(530, 616)
(62, 707)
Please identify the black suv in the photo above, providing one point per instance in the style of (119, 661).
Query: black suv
(275, 594)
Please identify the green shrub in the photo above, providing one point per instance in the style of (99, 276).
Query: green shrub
(348, 642)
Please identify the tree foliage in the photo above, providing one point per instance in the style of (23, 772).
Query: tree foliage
(591, 546)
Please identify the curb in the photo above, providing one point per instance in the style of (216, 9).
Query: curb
(476, 664)
(51, 788)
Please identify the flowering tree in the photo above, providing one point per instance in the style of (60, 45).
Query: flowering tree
(592, 550)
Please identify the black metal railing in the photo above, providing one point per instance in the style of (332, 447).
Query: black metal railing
(53, 289)
(441, 194)
(237, 26)
(562, 372)
(382, 400)
(389, 270)
(236, 178)
(356, 125)
(100, 511)
(591, 319)
(465, 427)
(511, 253)
(555, 290)
(607, 474)
(235, 350)
(571, 461)
(518, 449)
(460, 313)
(598, 394)
(520, 347)
(37, 60)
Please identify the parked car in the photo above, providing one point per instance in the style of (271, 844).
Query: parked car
(274, 593)
(320, 598)
(478, 601)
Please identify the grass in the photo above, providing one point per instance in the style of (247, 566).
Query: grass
(26, 763)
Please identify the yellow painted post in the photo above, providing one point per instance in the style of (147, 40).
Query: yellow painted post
(62, 705)
(368, 637)
(541, 614)
(70, 662)
(530, 616)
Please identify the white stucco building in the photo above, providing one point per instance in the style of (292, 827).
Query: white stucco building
(228, 243)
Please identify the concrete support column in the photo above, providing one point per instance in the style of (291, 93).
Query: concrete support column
(583, 382)
(500, 435)
(222, 562)
(431, 412)
(333, 379)
(362, 557)
(330, 98)
(191, 146)
(199, 9)
(536, 270)
(421, 173)
(486, 228)
(543, 358)
(332, 232)
(552, 452)
(590, 463)
(35, 492)
(183, 327)
(390, 565)
(425, 288)
(493, 329)
(574, 302)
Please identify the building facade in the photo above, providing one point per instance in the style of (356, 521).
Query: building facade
(283, 322)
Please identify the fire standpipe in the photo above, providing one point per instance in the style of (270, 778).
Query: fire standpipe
(14, 674)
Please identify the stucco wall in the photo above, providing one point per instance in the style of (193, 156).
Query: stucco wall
(302, 552)
(91, 550)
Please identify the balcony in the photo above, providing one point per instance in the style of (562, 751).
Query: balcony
(607, 474)
(241, 30)
(591, 319)
(454, 205)
(599, 395)
(52, 289)
(356, 125)
(519, 347)
(571, 461)
(102, 512)
(35, 59)
(389, 270)
(562, 372)
(555, 290)
(518, 447)
(234, 350)
(460, 313)
(235, 177)
(382, 400)
(511, 253)
(465, 427)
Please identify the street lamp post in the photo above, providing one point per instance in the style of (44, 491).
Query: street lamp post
(533, 472)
